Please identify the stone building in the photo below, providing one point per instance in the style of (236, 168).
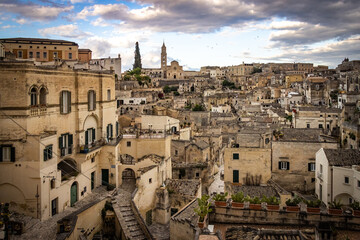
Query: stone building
(293, 157)
(113, 64)
(41, 50)
(58, 136)
(338, 175)
(85, 55)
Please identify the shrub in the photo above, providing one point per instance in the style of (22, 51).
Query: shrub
(271, 200)
(238, 197)
(255, 200)
(293, 202)
(204, 207)
(220, 197)
(355, 205)
(313, 204)
(335, 204)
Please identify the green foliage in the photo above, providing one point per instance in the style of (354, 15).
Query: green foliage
(107, 207)
(127, 77)
(176, 93)
(313, 204)
(166, 89)
(204, 207)
(137, 61)
(293, 202)
(173, 89)
(238, 197)
(289, 118)
(228, 84)
(352, 136)
(255, 200)
(247, 198)
(170, 190)
(335, 204)
(220, 197)
(256, 70)
(198, 108)
(271, 200)
(334, 95)
(355, 205)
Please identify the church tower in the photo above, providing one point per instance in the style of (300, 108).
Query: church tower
(163, 59)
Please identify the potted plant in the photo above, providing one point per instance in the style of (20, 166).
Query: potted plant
(313, 206)
(255, 203)
(356, 208)
(335, 207)
(272, 203)
(220, 199)
(238, 200)
(202, 210)
(292, 205)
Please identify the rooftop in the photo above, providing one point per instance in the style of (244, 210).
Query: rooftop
(343, 157)
(188, 187)
(37, 41)
(304, 135)
(187, 214)
(256, 191)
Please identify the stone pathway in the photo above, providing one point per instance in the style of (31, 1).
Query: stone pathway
(39, 230)
(218, 184)
(126, 217)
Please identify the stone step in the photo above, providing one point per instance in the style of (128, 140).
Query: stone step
(134, 228)
(125, 208)
(137, 234)
(139, 238)
(127, 214)
(129, 218)
(131, 223)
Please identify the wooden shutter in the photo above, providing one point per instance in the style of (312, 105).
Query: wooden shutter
(93, 134)
(107, 132)
(69, 101)
(89, 100)
(117, 129)
(111, 130)
(1, 154)
(94, 100)
(12, 157)
(70, 139)
(288, 166)
(279, 165)
(309, 167)
(61, 102)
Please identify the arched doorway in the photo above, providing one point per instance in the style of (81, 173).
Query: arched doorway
(73, 194)
(128, 180)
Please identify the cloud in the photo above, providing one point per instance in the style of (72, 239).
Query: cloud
(21, 21)
(67, 31)
(34, 11)
(7, 26)
(331, 53)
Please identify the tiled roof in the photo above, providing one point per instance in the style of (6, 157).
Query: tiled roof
(343, 157)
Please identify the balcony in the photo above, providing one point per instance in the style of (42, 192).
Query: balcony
(319, 175)
(92, 146)
(66, 151)
(38, 111)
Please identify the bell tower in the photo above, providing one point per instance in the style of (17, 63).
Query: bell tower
(163, 59)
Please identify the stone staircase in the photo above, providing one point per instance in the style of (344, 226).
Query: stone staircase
(126, 216)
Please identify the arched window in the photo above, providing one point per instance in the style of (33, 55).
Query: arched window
(42, 96)
(33, 97)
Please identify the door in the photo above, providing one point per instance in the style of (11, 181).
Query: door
(73, 194)
(105, 177)
(54, 203)
(92, 180)
(235, 176)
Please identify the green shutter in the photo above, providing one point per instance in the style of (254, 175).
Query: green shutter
(280, 165)
(288, 165)
(93, 134)
(111, 131)
(117, 129)
(309, 167)
(89, 93)
(45, 154)
(70, 139)
(86, 137)
(12, 157)
(61, 142)
(50, 152)
(61, 102)
(94, 99)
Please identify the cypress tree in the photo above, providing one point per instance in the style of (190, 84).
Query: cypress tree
(137, 63)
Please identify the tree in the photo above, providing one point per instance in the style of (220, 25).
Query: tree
(198, 108)
(166, 89)
(137, 63)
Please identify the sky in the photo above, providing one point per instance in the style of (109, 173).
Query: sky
(196, 32)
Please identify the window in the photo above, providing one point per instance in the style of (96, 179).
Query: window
(329, 115)
(55, 55)
(235, 156)
(267, 140)
(93, 159)
(33, 97)
(65, 144)
(197, 174)
(150, 180)
(311, 167)
(54, 204)
(109, 131)
(89, 136)
(20, 54)
(320, 126)
(108, 94)
(312, 180)
(176, 152)
(55, 47)
(321, 168)
(37, 54)
(7, 153)
(91, 100)
(31, 54)
(45, 55)
(284, 165)
(48, 152)
(346, 180)
(70, 55)
(65, 102)
(308, 125)
(43, 96)
(235, 176)
(358, 183)
(128, 144)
